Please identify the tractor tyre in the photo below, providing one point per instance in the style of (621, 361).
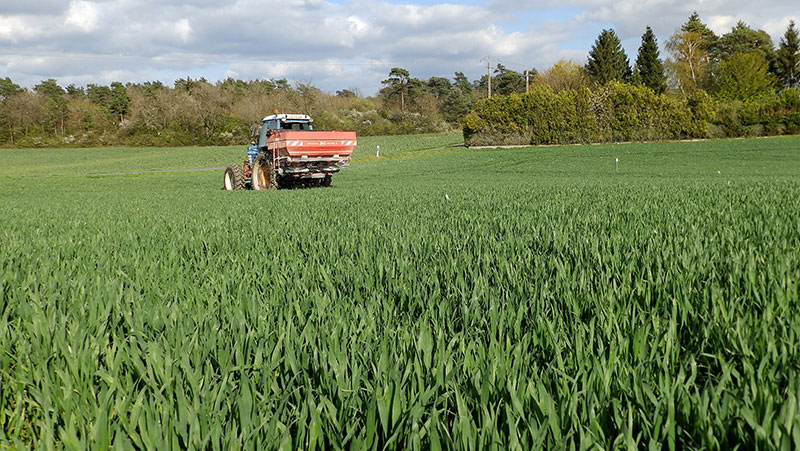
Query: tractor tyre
(233, 178)
(264, 176)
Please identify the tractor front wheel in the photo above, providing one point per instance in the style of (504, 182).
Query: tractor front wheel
(264, 173)
(234, 177)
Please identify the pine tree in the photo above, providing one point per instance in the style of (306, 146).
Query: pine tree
(456, 105)
(743, 39)
(695, 25)
(648, 65)
(397, 84)
(57, 110)
(400, 83)
(119, 101)
(607, 59)
(507, 81)
(788, 57)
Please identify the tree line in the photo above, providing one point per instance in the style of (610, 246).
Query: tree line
(199, 112)
(192, 112)
(740, 65)
(736, 84)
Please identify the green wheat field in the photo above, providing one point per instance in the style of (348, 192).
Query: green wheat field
(434, 298)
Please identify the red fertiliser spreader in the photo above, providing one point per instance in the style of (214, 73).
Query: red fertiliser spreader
(287, 152)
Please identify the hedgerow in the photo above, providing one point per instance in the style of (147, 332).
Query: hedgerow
(623, 112)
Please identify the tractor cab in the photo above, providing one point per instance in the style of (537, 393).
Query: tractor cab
(276, 122)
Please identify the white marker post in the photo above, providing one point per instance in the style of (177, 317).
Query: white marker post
(377, 151)
(616, 164)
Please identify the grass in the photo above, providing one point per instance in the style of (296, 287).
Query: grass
(98, 161)
(518, 298)
(404, 146)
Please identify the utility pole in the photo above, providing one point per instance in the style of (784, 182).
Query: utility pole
(527, 82)
(488, 60)
(489, 74)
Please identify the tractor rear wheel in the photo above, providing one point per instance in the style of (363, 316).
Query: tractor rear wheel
(234, 177)
(264, 173)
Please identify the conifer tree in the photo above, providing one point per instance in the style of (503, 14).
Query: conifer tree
(743, 39)
(119, 101)
(788, 57)
(507, 81)
(648, 65)
(8, 88)
(400, 83)
(695, 25)
(636, 77)
(607, 59)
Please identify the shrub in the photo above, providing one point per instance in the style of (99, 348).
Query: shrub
(613, 112)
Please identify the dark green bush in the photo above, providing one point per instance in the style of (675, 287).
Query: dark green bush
(775, 115)
(614, 112)
(623, 112)
(729, 119)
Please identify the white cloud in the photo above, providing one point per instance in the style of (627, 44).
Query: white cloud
(11, 28)
(778, 26)
(35, 64)
(183, 29)
(352, 29)
(334, 43)
(721, 24)
(82, 15)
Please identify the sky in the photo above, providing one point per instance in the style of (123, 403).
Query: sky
(334, 44)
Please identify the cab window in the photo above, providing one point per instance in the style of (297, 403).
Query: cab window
(295, 126)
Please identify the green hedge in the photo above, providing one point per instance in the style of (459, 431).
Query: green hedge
(612, 113)
(775, 115)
